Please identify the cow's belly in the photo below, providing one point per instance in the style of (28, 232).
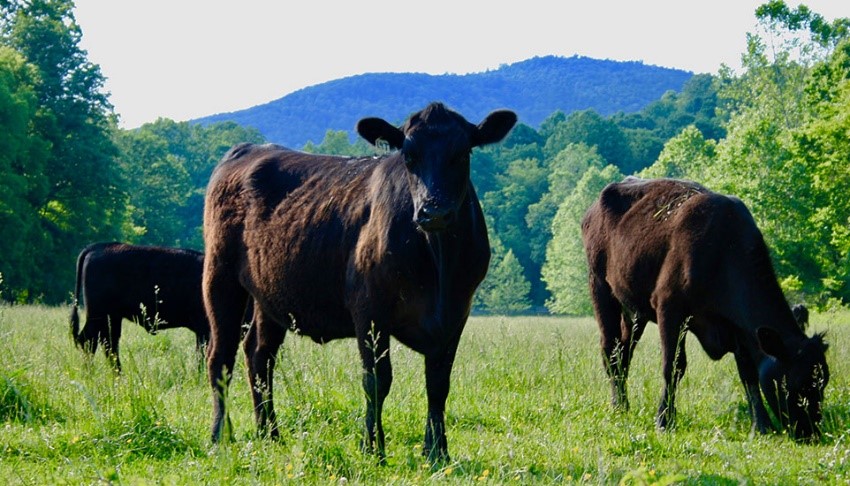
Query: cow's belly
(300, 290)
(715, 334)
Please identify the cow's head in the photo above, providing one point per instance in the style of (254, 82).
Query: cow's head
(435, 145)
(793, 381)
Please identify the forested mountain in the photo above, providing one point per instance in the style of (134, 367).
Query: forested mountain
(534, 88)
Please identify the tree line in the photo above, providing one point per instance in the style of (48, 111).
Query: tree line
(774, 135)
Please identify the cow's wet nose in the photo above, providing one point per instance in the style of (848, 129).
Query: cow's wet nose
(432, 219)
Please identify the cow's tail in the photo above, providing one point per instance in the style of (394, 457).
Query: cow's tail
(75, 316)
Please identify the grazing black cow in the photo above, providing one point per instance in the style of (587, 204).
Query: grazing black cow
(160, 288)
(801, 315)
(675, 253)
(339, 247)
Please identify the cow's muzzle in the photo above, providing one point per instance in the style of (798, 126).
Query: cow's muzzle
(433, 220)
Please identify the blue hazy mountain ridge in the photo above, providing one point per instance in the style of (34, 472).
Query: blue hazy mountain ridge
(535, 89)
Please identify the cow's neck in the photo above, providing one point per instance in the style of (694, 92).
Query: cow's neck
(440, 253)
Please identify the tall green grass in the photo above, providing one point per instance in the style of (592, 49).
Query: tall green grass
(529, 404)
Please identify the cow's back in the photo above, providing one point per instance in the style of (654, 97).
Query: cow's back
(647, 236)
(301, 228)
(138, 281)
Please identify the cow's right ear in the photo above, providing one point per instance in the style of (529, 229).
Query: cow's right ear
(374, 129)
(771, 343)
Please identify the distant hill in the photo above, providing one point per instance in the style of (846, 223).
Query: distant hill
(534, 88)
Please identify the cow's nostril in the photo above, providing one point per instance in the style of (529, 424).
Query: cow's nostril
(433, 220)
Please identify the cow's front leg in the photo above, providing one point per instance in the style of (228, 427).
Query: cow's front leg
(672, 330)
(748, 372)
(374, 347)
(438, 370)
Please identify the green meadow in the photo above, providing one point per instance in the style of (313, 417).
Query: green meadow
(529, 405)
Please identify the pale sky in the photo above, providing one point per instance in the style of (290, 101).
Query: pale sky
(184, 59)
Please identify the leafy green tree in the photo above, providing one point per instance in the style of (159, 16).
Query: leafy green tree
(777, 16)
(22, 162)
(592, 129)
(505, 289)
(522, 134)
(491, 161)
(777, 155)
(565, 170)
(685, 156)
(565, 270)
(509, 291)
(159, 186)
(167, 165)
(336, 143)
(521, 185)
(696, 105)
(551, 124)
(821, 146)
(83, 200)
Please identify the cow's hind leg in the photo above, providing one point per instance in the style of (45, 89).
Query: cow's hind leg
(261, 345)
(374, 347)
(225, 301)
(631, 330)
(616, 348)
(672, 330)
(91, 334)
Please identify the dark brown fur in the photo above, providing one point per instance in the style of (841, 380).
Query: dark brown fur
(336, 247)
(160, 288)
(675, 253)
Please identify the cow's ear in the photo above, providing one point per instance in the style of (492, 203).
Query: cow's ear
(494, 128)
(374, 129)
(771, 344)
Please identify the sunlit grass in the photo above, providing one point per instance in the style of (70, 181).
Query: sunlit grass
(529, 404)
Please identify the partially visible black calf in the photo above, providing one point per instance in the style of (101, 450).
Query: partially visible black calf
(160, 288)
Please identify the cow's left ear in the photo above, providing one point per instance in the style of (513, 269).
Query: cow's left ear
(374, 129)
(771, 344)
(494, 128)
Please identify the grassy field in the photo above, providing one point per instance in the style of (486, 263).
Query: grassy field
(529, 404)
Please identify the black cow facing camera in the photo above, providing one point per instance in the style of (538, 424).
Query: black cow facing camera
(349, 247)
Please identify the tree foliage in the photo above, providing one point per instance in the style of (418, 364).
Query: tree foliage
(22, 162)
(785, 153)
(167, 165)
(336, 143)
(505, 290)
(565, 270)
(75, 185)
(565, 171)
